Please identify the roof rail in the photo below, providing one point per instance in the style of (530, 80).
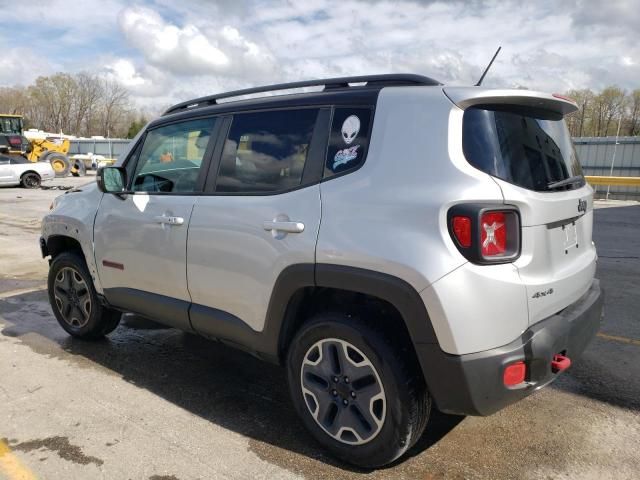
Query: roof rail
(393, 79)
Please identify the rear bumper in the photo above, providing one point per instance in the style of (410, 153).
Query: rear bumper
(473, 384)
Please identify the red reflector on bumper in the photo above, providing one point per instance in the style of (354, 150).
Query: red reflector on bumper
(514, 374)
(560, 363)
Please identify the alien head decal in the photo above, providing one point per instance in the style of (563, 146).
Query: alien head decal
(350, 129)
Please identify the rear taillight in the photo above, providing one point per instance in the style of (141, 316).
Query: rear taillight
(15, 141)
(493, 234)
(486, 234)
(462, 230)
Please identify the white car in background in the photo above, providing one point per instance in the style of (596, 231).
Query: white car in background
(15, 170)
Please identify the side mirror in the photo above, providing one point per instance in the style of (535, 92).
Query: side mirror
(112, 179)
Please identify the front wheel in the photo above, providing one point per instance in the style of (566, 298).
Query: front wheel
(30, 180)
(74, 300)
(354, 390)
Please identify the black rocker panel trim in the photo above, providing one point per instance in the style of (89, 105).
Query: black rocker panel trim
(160, 308)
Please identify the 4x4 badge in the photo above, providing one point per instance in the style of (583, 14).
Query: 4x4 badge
(582, 206)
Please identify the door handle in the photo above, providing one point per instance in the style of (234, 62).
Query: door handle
(288, 227)
(169, 220)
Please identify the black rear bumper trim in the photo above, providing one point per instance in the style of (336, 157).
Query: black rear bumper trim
(473, 385)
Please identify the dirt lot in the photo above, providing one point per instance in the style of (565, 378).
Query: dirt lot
(155, 403)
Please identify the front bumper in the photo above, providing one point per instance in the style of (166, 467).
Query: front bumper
(473, 384)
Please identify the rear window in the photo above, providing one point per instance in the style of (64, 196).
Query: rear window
(531, 149)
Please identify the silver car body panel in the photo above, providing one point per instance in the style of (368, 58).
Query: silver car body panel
(129, 232)
(390, 215)
(465, 97)
(233, 261)
(72, 216)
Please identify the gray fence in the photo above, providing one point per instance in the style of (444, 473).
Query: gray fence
(108, 147)
(596, 155)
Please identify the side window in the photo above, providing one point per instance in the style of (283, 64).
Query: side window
(349, 140)
(266, 151)
(171, 156)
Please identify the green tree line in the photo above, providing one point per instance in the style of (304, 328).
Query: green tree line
(600, 113)
(81, 104)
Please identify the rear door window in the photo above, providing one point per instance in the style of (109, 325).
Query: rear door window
(349, 140)
(531, 149)
(266, 152)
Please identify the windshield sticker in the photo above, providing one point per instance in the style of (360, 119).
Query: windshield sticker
(350, 129)
(345, 156)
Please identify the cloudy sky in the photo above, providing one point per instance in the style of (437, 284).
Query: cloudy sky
(171, 50)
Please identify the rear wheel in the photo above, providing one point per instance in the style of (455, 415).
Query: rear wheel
(30, 180)
(355, 391)
(74, 299)
(60, 163)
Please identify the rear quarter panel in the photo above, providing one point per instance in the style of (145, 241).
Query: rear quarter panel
(390, 215)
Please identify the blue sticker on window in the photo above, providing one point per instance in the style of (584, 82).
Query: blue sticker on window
(349, 139)
(345, 156)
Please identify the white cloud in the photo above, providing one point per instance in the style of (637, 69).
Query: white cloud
(165, 51)
(21, 66)
(191, 50)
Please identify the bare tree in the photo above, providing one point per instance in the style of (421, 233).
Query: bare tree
(87, 101)
(633, 115)
(608, 108)
(115, 100)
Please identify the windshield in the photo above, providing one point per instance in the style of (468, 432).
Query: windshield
(531, 149)
(11, 125)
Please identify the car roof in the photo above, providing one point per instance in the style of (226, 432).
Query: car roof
(360, 90)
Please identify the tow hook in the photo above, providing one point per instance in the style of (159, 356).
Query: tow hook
(560, 363)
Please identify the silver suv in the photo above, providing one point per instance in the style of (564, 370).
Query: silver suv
(397, 244)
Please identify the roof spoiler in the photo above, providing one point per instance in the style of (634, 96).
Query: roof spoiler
(465, 97)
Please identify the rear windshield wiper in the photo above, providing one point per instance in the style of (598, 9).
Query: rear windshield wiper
(567, 181)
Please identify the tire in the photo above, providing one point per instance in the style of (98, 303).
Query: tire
(30, 180)
(74, 300)
(79, 169)
(60, 163)
(382, 379)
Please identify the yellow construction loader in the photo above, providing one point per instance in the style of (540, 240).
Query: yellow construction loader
(50, 149)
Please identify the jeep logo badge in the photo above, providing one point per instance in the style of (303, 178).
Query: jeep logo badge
(582, 206)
